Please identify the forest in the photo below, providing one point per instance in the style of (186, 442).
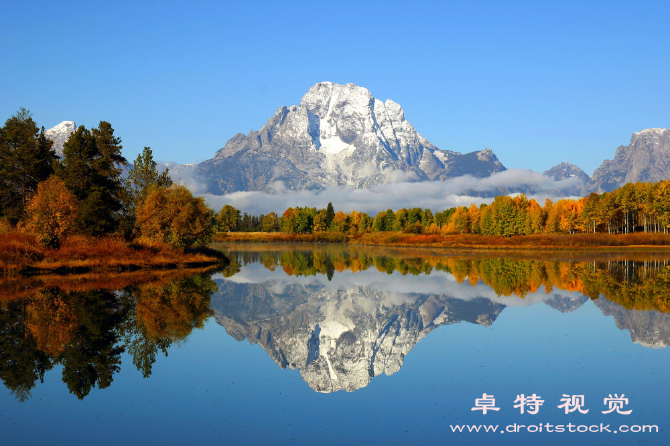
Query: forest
(638, 207)
(87, 208)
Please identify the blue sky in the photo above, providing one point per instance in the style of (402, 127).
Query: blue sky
(537, 82)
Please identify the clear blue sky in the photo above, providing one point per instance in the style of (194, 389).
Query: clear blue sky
(537, 82)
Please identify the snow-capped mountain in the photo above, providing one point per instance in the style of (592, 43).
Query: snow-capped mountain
(646, 158)
(59, 134)
(338, 135)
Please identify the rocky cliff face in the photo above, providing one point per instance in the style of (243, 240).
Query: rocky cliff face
(59, 134)
(338, 135)
(646, 158)
(338, 339)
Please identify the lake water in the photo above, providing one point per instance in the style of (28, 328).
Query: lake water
(336, 345)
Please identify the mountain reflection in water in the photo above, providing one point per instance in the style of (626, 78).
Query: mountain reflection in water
(339, 315)
(85, 323)
(345, 315)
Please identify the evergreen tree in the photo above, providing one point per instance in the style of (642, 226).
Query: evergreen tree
(330, 215)
(91, 169)
(143, 175)
(141, 178)
(26, 159)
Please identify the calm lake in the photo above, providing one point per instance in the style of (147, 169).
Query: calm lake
(337, 345)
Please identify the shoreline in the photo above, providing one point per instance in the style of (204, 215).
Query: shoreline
(464, 242)
(21, 255)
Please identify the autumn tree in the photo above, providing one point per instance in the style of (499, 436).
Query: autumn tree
(400, 219)
(473, 219)
(459, 221)
(270, 223)
(320, 221)
(173, 215)
(228, 219)
(379, 222)
(52, 213)
(341, 222)
(366, 222)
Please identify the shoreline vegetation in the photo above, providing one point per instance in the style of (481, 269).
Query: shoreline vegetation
(636, 241)
(88, 210)
(21, 254)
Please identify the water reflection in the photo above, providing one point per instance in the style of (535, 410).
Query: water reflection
(85, 323)
(343, 316)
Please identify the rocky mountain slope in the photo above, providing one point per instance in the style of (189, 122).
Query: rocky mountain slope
(646, 158)
(338, 135)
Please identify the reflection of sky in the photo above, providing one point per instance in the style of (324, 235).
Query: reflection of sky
(438, 282)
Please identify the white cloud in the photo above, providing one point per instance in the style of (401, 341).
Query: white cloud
(435, 195)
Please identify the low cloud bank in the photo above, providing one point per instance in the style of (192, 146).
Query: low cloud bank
(435, 195)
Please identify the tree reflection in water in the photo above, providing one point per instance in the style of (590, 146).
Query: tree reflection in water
(637, 281)
(343, 315)
(86, 329)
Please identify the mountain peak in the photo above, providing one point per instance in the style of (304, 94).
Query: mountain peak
(338, 135)
(657, 131)
(645, 159)
(59, 134)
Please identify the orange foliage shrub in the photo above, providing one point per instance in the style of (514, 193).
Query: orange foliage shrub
(174, 216)
(52, 213)
(19, 248)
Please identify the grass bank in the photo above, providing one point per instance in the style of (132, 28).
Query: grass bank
(467, 241)
(21, 253)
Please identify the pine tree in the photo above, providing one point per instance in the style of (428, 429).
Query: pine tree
(144, 174)
(330, 215)
(26, 159)
(91, 169)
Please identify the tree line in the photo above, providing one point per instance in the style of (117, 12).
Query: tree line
(635, 207)
(86, 192)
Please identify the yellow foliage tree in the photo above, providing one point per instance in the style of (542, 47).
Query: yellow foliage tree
(173, 215)
(52, 213)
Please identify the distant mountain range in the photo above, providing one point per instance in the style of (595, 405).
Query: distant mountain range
(342, 135)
